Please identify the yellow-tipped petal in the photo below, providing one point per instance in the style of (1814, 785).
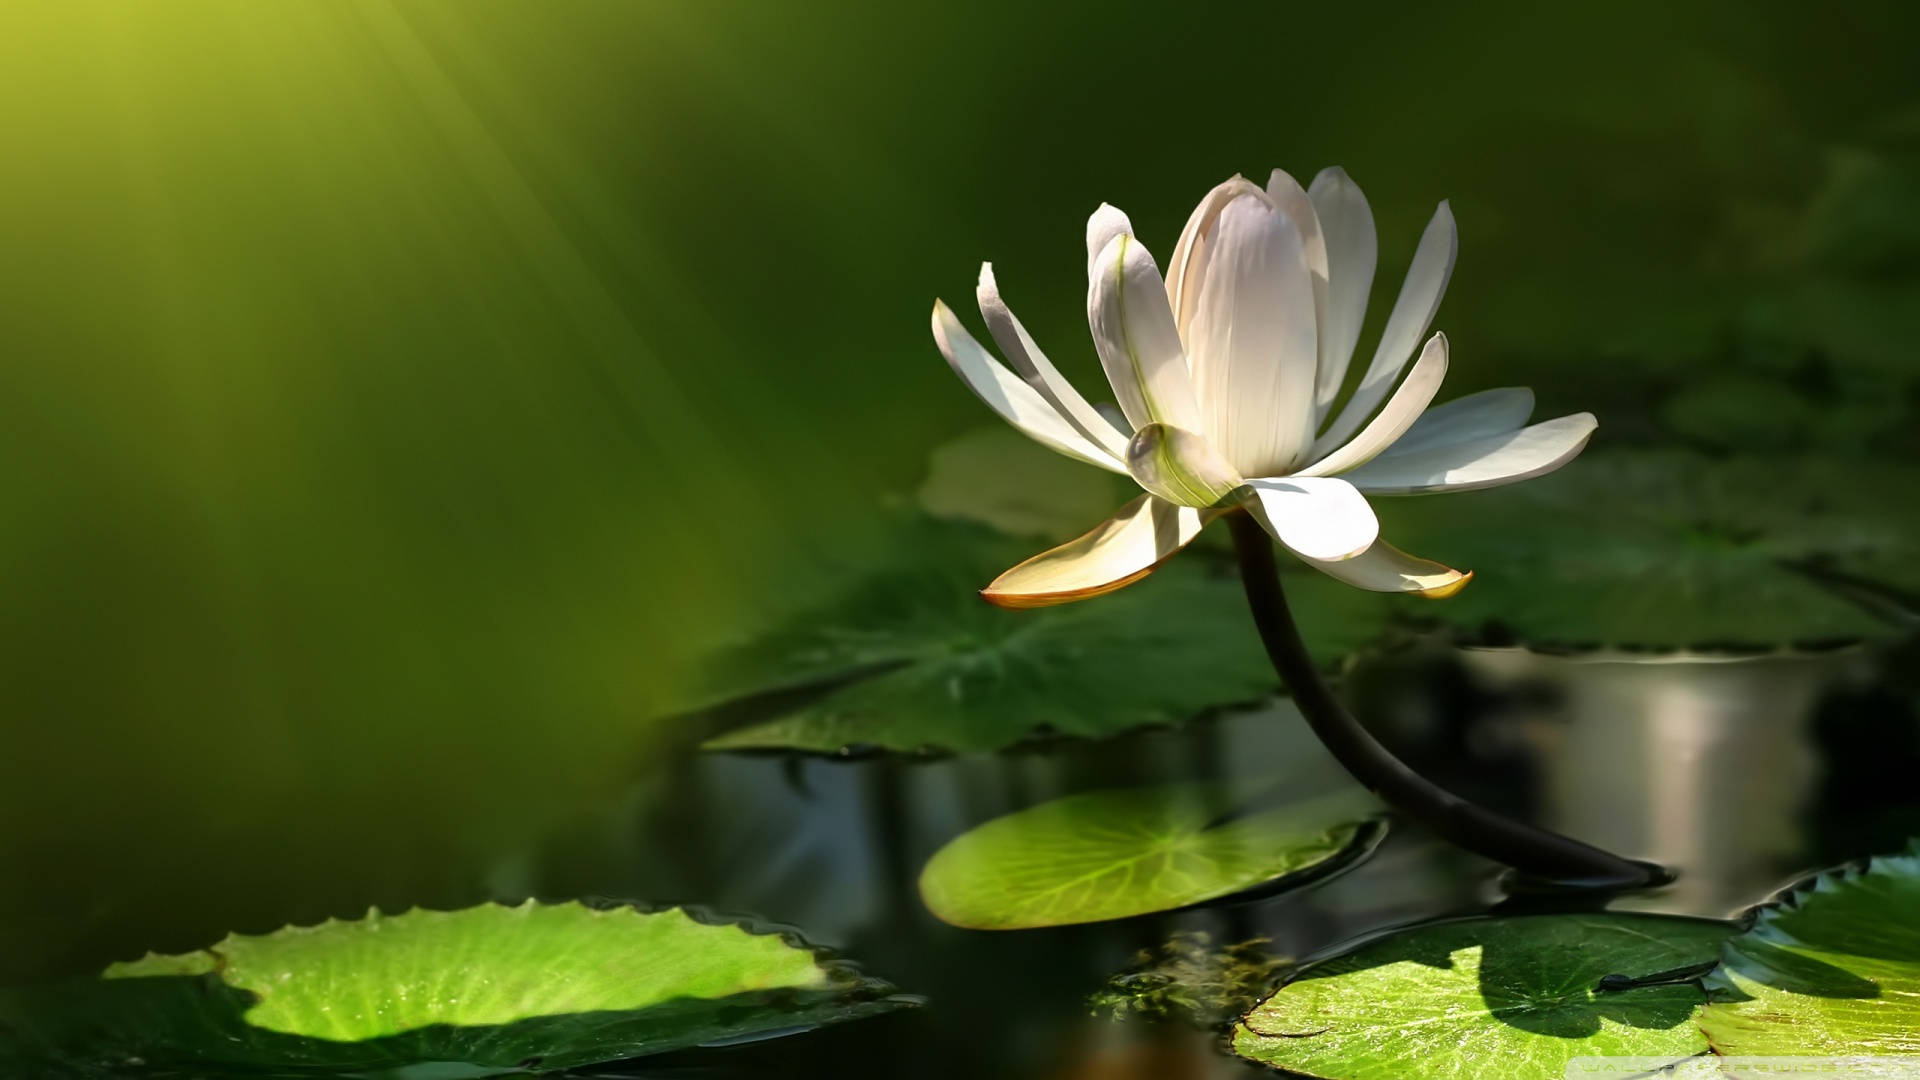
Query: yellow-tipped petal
(1385, 568)
(1116, 553)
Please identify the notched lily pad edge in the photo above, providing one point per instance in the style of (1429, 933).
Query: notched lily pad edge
(1040, 739)
(1795, 891)
(842, 974)
(1396, 636)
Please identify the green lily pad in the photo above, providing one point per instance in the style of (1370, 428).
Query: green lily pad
(477, 992)
(915, 660)
(1762, 412)
(1672, 549)
(1112, 854)
(1000, 478)
(1832, 968)
(1515, 997)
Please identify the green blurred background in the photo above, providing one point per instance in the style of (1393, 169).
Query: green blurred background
(395, 396)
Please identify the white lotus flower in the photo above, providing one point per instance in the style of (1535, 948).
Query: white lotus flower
(1226, 374)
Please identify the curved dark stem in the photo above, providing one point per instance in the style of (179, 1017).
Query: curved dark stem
(1554, 861)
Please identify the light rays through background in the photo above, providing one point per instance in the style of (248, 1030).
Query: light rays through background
(394, 395)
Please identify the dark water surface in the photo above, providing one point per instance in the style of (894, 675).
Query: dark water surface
(1741, 773)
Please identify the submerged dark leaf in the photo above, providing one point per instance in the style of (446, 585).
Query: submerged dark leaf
(914, 659)
(1190, 978)
(1674, 549)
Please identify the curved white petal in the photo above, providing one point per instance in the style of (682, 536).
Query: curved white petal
(1004, 392)
(1385, 568)
(1293, 201)
(1476, 416)
(1478, 463)
(1134, 333)
(1106, 223)
(1192, 245)
(1118, 552)
(1346, 222)
(1315, 517)
(1403, 410)
(1412, 313)
(1181, 467)
(1250, 340)
(1019, 348)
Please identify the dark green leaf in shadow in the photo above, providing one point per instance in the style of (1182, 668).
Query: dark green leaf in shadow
(1514, 997)
(476, 992)
(1112, 854)
(1833, 967)
(1671, 549)
(913, 659)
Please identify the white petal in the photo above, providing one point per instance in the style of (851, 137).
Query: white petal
(1250, 341)
(1119, 551)
(1018, 346)
(1003, 391)
(1476, 416)
(1346, 222)
(1192, 245)
(1106, 223)
(1134, 333)
(1478, 463)
(1181, 467)
(1315, 517)
(1412, 313)
(1385, 568)
(1403, 409)
(1293, 201)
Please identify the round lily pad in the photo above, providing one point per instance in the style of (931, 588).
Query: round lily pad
(1112, 854)
(1673, 549)
(1515, 997)
(910, 658)
(477, 992)
(1833, 968)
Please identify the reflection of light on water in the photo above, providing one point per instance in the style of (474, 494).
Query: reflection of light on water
(1702, 763)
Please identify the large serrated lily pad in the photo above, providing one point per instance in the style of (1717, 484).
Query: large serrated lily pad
(917, 661)
(1112, 854)
(1833, 968)
(476, 992)
(1515, 997)
(1675, 549)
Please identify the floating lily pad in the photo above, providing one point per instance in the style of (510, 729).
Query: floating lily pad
(1514, 997)
(915, 660)
(1832, 968)
(1671, 549)
(1112, 854)
(1000, 478)
(477, 992)
(1761, 412)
